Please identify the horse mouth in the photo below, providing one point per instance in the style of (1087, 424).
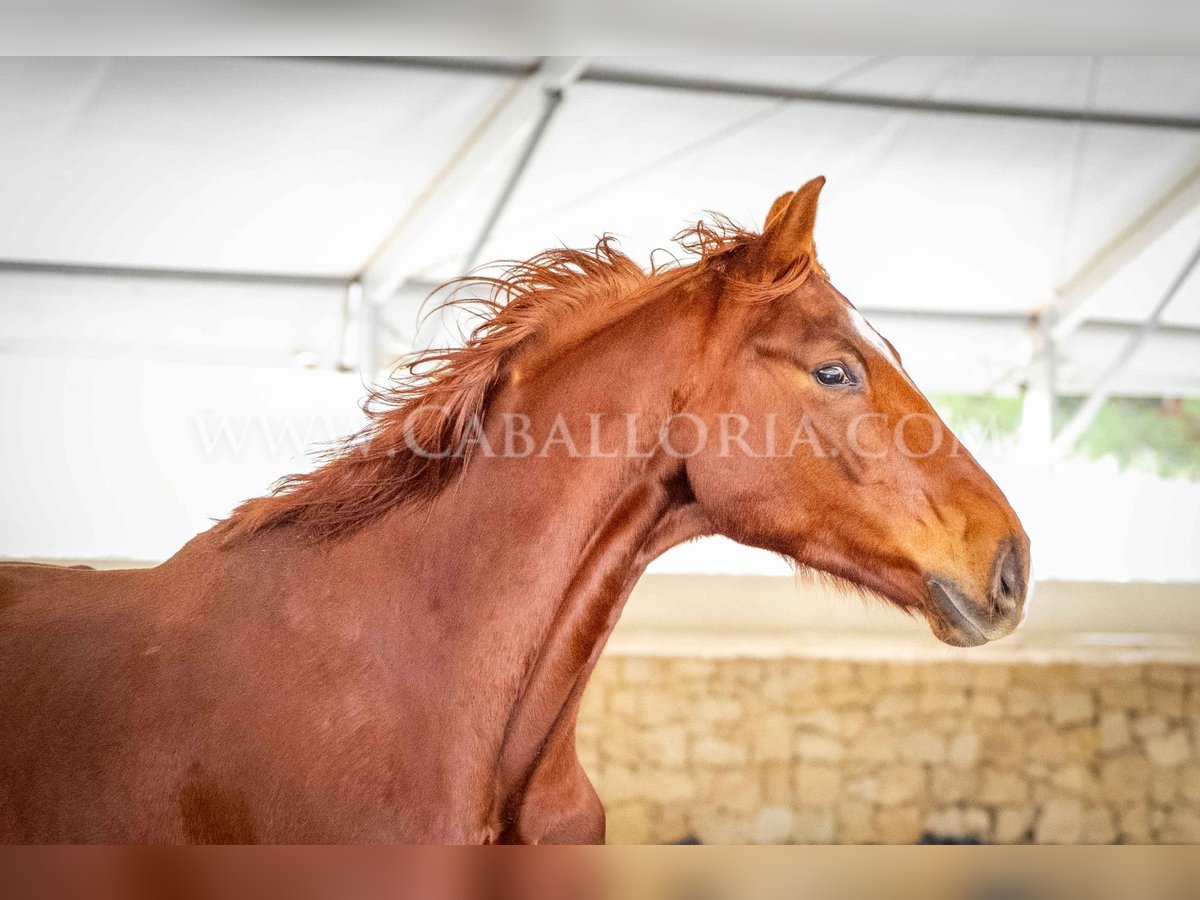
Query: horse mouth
(947, 620)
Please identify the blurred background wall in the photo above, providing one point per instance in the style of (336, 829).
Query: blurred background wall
(802, 750)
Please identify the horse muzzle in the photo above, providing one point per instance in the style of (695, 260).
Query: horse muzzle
(962, 620)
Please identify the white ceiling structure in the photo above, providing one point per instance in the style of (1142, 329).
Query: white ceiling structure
(964, 192)
(249, 234)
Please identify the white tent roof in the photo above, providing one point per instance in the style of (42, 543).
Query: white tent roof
(957, 184)
(303, 167)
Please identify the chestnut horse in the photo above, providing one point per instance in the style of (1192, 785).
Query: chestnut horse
(393, 647)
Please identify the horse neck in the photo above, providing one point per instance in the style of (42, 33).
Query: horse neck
(535, 556)
(527, 532)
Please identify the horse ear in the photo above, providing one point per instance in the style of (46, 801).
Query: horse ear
(788, 234)
(778, 207)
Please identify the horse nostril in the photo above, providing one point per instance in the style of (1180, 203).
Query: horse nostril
(1010, 577)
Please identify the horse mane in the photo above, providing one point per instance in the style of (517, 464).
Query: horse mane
(435, 395)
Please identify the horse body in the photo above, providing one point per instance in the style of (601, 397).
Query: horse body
(145, 732)
(256, 696)
(394, 646)
(279, 689)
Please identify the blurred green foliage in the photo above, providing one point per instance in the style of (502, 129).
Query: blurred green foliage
(1155, 435)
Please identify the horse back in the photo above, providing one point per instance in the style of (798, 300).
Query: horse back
(65, 634)
(33, 589)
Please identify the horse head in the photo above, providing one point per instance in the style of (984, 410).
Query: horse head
(839, 461)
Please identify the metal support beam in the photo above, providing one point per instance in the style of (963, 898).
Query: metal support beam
(1073, 430)
(59, 316)
(515, 114)
(553, 100)
(283, 279)
(423, 287)
(882, 101)
(768, 91)
(370, 321)
(1035, 435)
(525, 109)
(1076, 299)
(352, 305)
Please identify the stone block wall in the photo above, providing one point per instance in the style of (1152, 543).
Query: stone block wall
(818, 751)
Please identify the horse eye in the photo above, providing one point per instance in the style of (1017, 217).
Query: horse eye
(833, 375)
